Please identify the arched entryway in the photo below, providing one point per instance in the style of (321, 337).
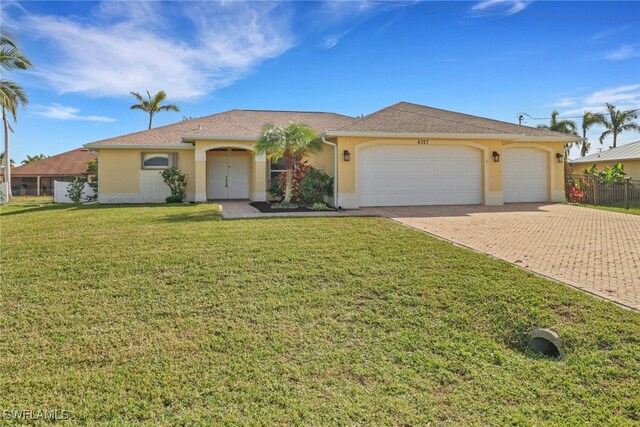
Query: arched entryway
(228, 173)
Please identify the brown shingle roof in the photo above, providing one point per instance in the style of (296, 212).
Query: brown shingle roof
(72, 162)
(414, 118)
(233, 123)
(402, 117)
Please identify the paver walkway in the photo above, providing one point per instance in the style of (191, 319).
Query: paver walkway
(594, 250)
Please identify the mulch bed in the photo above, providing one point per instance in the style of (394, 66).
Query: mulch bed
(266, 207)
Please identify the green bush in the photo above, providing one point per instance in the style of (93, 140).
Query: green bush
(75, 190)
(315, 186)
(275, 189)
(176, 180)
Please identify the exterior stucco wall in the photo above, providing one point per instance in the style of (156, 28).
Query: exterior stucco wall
(631, 167)
(122, 179)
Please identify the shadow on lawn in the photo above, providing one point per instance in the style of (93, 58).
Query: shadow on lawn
(208, 215)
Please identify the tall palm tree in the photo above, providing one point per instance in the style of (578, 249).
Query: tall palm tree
(563, 126)
(618, 122)
(11, 58)
(589, 119)
(11, 94)
(288, 143)
(152, 105)
(11, 97)
(34, 158)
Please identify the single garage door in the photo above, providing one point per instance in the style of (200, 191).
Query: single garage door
(524, 172)
(419, 175)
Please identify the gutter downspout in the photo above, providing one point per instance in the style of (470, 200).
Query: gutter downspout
(335, 171)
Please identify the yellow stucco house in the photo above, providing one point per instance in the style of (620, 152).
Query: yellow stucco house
(628, 155)
(405, 154)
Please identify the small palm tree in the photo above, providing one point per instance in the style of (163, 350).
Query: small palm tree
(11, 94)
(289, 143)
(589, 119)
(563, 126)
(35, 158)
(152, 104)
(618, 122)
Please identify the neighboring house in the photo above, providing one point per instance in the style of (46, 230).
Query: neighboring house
(405, 154)
(628, 155)
(36, 178)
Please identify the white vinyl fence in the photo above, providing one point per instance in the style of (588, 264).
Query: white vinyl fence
(4, 190)
(60, 192)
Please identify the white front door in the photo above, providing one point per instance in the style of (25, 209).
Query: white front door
(524, 175)
(402, 175)
(227, 175)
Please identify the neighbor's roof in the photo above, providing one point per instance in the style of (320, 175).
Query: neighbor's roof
(72, 162)
(401, 118)
(629, 151)
(405, 117)
(234, 123)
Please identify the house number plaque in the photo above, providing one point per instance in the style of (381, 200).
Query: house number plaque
(423, 141)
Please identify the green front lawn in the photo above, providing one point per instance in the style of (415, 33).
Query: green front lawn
(170, 315)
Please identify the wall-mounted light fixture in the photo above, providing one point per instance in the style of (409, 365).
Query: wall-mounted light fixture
(496, 156)
(346, 155)
(559, 157)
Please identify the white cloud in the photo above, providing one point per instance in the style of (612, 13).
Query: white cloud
(62, 112)
(186, 49)
(508, 7)
(564, 102)
(622, 53)
(332, 40)
(605, 34)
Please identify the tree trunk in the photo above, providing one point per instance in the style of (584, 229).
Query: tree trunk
(150, 119)
(615, 137)
(288, 165)
(287, 192)
(7, 154)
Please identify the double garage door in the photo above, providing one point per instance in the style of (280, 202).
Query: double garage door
(444, 175)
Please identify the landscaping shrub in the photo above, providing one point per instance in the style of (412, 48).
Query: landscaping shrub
(300, 169)
(274, 188)
(315, 186)
(75, 190)
(92, 170)
(176, 180)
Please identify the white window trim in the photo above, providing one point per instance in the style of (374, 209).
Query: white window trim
(172, 157)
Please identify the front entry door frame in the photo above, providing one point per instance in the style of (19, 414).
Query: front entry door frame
(227, 174)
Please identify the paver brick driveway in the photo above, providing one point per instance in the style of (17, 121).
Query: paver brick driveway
(594, 250)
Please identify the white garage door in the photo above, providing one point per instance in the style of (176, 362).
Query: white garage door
(524, 172)
(419, 175)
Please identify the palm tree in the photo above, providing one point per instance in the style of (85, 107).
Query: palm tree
(562, 126)
(35, 158)
(618, 122)
(589, 119)
(11, 94)
(12, 162)
(152, 105)
(289, 142)
(11, 97)
(10, 56)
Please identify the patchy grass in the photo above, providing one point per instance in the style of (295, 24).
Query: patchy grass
(170, 315)
(632, 210)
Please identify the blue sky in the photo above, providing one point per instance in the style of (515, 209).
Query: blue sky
(492, 58)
